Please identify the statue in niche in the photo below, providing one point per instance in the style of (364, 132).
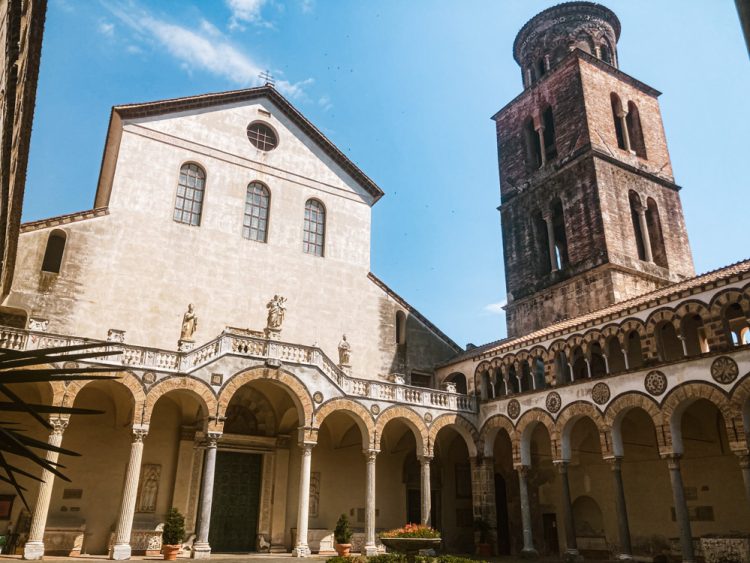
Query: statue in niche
(345, 351)
(149, 492)
(276, 310)
(189, 324)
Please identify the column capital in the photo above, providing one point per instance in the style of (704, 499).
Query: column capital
(614, 462)
(424, 459)
(307, 447)
(59, 424)
(212, 438)
(673, 460)
(562, 465)
(622, 113)
(370, 454)
(140, 431)
(523, 470)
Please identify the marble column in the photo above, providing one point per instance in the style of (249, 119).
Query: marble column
(641, 211)
(303, 508)
(554, 266)
(201, 547)
(623, 528)
(425, 460)
(681, 510)
(571, 544)
(528, 551)
(34, 548)
(121, 548)
(745, 467)
(542, 151)
(623, 116)
(371, 547)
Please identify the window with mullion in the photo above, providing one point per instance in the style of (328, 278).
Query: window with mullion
(255, 223)
(313, 239)
(188, 205)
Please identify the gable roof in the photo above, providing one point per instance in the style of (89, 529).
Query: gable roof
(162, 107)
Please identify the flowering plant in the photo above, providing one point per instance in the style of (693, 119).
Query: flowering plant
(411, 531)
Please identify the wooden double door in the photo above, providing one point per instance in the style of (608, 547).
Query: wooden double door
(236, 502)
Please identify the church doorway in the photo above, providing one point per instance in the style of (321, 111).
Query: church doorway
(236, 502)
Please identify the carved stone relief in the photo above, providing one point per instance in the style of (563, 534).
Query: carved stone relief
(149, 487)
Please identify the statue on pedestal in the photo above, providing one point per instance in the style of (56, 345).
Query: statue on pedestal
(276, 310)
(345, 352)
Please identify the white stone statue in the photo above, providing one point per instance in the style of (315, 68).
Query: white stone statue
(276, 310)
(345, 352)
(189, 324)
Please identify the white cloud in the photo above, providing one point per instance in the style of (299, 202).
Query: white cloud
(246, 11)
(106, 28)
(204, 48)
(496, 308)
(325, 103)
(307, 6)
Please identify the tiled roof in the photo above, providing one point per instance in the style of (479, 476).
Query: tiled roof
(64, 219)
(160, 107)
(645, 301)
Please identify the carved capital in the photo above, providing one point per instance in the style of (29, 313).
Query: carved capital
(615, 463)
(523, 470)
(59, 424)
(562, 466)
(140, 431)
(212, 438)
(307, 448)
(673, 461)
(424, 459)
(371, 455)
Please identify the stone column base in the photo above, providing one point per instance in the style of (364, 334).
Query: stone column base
(529, 553)
(120, 551)
(573, 556)
(371, 550)
(301, 551)
(33, 550)
(201, 550)
(624, 557)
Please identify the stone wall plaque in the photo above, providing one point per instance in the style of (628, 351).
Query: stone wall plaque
(655, 383)
(724, 370)
(514, 408)
(553, 402)
(149, 487)
(600, 393)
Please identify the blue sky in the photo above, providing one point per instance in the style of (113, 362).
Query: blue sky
(405, 89)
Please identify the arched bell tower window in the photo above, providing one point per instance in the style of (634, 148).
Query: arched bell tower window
(635, 131)
(606, 53)
(655, 235)
(618, 117)
(636, 209)
(560, 238)
(53, 253)
(533, 145)
(550, 147)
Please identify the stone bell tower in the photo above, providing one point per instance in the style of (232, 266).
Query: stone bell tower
(590, 211)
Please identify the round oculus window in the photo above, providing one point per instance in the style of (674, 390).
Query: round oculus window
(262, 136)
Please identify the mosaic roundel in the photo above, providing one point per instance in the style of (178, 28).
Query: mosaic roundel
(655, 383)
(724, 369)
(600, 393)
(514, 408)
(375, 409)
(318, 397)
(553, 402)
(149, 378)
(427, 417)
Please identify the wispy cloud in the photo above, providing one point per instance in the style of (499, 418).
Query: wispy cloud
(496, 308)
(307, 6)
(203, 47)
(106, 28)
(246, 11)
(325, 103)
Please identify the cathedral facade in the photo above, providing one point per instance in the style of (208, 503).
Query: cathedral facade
(269, 382)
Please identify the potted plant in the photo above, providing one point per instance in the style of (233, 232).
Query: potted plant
(343, 536)
(481, 538)
(173, 534)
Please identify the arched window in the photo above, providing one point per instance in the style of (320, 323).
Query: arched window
(460, 380)
(542, 243)
(550, 148)
(189, 202)
(255, 223)
(562, 369)
(668, 346)
(561, 239)
(736, 324)
(580, 367)
(53, 254)
(400, 328)
(655, 234)
(539, 381)
(513, 383)
(527, 383)
(617, 118)
(615, 355)
(635, 351)
(315, 228)
(635, 132)
(533, 145)
(500, 389)
(694, 333)
(606, 53)
(636, 209)
(597, 362)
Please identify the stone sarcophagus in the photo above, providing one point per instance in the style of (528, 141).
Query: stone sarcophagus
(145, 538)
(64, 535)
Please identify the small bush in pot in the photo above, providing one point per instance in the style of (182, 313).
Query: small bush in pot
(172, 534)
(343, 536)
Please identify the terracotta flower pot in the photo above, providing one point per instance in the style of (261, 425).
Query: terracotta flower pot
(343, 549)
(170, 552)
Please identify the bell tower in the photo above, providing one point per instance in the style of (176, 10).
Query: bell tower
(590, 211)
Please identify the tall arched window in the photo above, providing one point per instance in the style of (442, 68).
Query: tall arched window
(561, 239)
(189, 202)
(618, 120)
(606, 53)
(635, 132)
(635, 350)
(550, 148)
(255, 223)
(400, 328)
(315, 228)
(533, 146)
(636, 208)
(53, 254)
(655, 234)
(542, 246)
